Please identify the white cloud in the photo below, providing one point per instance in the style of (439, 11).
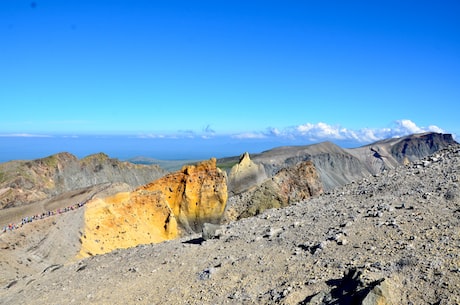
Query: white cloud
(322, 131)
(274, 132)
(249, 135)
(313, 132)
(24, 135)
(435, 128)
(151, 136)
(409, 126)
(405, 127)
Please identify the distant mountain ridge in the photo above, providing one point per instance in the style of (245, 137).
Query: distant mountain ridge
(338, 166)
(23, 182)
(169, 165)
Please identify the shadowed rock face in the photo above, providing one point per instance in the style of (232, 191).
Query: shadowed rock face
(420, 146)
(293, 184)
(24, 182)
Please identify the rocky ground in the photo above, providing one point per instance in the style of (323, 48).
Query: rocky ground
(391, 237)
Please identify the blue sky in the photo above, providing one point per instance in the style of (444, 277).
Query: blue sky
(287, 71)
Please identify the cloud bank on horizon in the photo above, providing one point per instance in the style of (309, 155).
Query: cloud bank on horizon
(309, 131)
(323, 131)
(198, 144)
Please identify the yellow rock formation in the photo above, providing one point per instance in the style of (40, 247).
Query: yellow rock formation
(196, 194)
(162, 210)
(126, 220)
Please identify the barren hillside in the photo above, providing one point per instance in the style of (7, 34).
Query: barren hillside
(391, 237)
(338, 166)
(26, 182)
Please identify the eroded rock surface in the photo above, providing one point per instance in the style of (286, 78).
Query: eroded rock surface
(25, 182)
(289, 185)
(196, 194)
(245, 174)
(176, 204)
(126, 220)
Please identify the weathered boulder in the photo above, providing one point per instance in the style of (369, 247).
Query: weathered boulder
(211, 231)
(352, 289)
(245, 174)
(380, 294)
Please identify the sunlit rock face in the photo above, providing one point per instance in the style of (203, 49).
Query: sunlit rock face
(176, 204)
(196, 194)
(245, 174)
(126, 220)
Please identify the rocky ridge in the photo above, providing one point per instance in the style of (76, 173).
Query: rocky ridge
(289, 185)
(275, 179)
(196, 194)
(25, 182)
(389, 238)
(389, 153)
(337, 166)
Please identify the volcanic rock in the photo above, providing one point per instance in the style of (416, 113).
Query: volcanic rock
(353, 289)
(338, 166)
(289, 185)
(407, 255)
(245, 175)
(196, 194)
(176, 204)
(25, 182)
(127, 220)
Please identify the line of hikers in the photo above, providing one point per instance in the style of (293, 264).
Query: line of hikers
(28, 219)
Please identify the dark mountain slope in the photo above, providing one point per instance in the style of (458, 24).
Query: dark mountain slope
(389, 153)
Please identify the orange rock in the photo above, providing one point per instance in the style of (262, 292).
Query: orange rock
(126, 220)
(178, 203)
(196, 194)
